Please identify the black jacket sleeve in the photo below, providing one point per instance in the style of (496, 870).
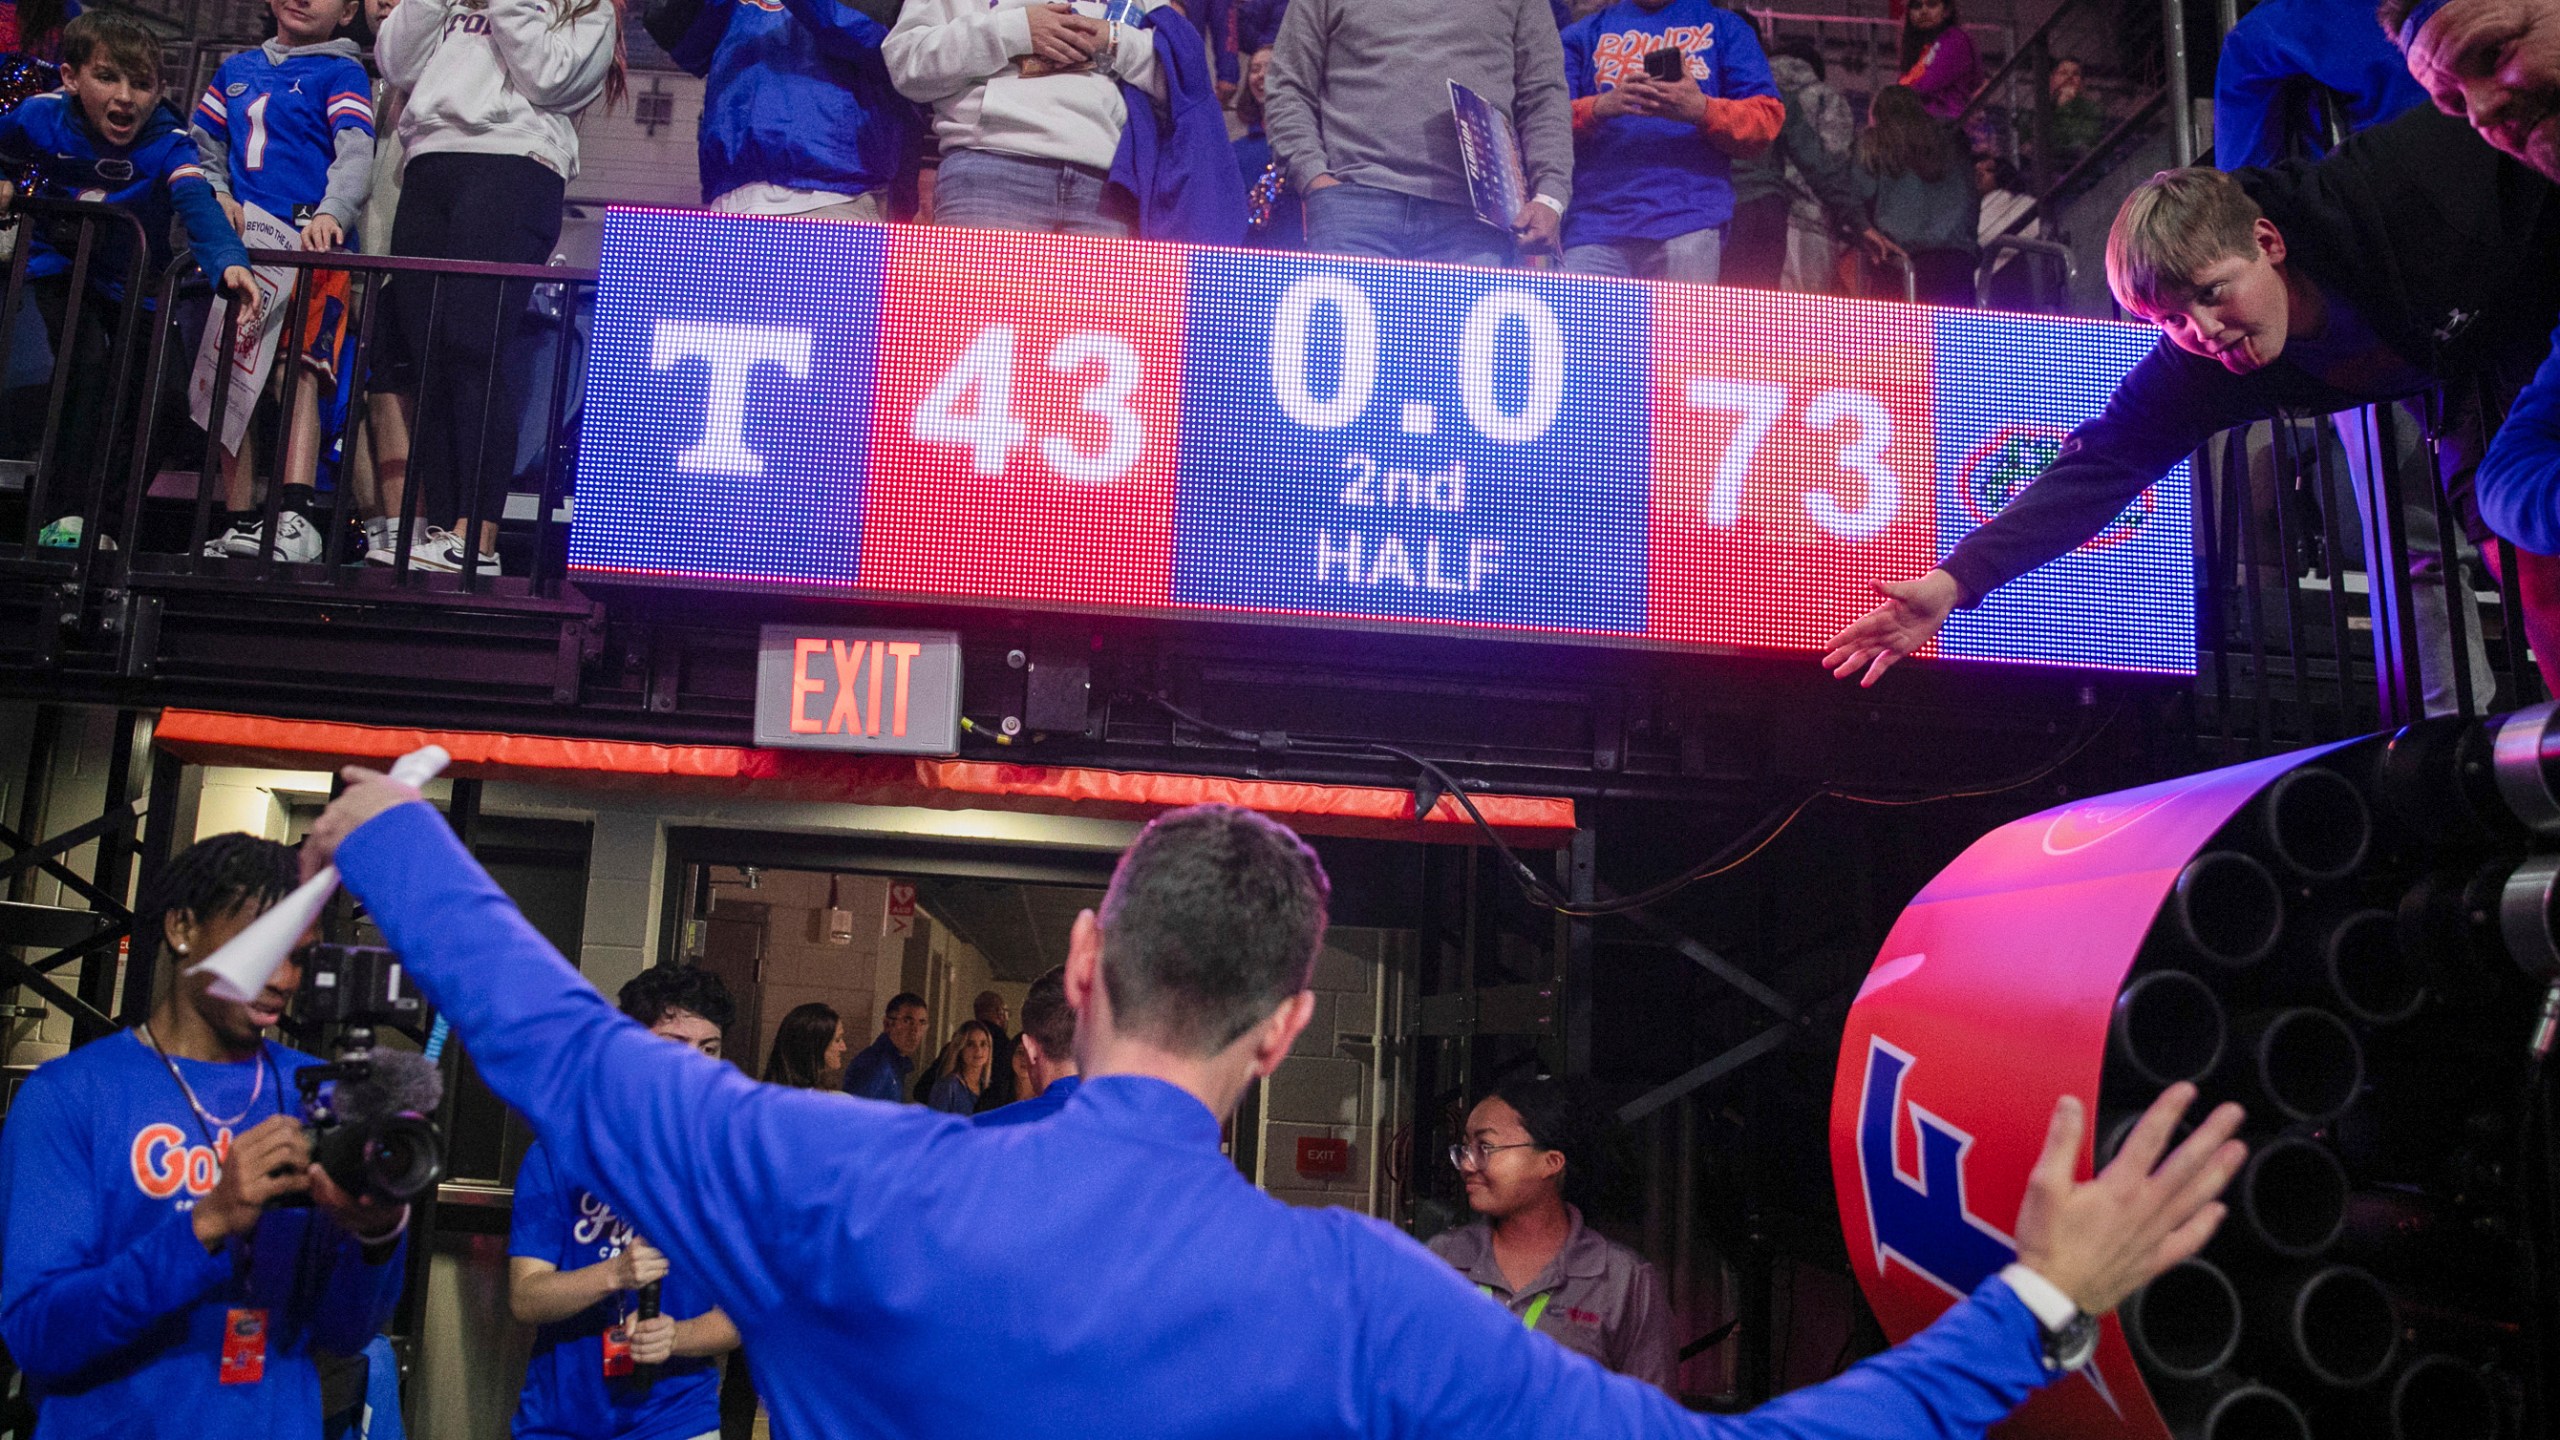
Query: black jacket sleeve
(2163, 411)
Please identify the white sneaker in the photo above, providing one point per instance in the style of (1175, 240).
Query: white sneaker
(443, 552)
(382, 540)
(297, 540)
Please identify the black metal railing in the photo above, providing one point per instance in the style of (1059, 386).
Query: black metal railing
(156, 522)
(2336, 591)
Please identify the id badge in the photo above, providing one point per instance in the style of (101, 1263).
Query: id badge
(244, 1346)
(617, 1350)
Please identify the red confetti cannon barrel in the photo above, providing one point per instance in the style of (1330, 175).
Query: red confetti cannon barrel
(2355, 942)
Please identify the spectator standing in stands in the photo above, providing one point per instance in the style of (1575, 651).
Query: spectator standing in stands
(2275, 64)
(1653, 156)
(1047, 1045)
(2078, 123)
(2279, 291)
(288, 128)
(1527, 1146)
(1938, 60)
(1791, 199)
(2006, 211)
(1917, 183)
(2498, 62)
(880, 1071)
(1275, 218)
(798, 115)
(379, 468)
(574, 1269)
(1028, 109)
(104, 136)
(1359, 116)
(964, 1067)
(490, 133)
(808, 1049)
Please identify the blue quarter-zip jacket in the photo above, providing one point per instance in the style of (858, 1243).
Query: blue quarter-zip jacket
(1106, 1273)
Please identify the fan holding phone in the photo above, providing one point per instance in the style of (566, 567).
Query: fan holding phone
(1667, 94)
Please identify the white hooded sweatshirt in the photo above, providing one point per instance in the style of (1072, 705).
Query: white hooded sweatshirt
(500, 79)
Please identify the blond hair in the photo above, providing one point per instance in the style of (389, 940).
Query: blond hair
(2173, 225)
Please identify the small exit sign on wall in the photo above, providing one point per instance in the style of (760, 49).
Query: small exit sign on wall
(1323, 1157)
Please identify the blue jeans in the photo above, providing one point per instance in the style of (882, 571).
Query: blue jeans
(990, 190)
(1349, 219)
(1696, 258)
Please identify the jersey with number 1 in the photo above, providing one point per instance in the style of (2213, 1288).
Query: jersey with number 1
(277, 113)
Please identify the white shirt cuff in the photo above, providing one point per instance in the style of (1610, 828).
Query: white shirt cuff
(1549, 201)
(2042, 1297)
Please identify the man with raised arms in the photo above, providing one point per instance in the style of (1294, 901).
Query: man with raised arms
(896, 1271)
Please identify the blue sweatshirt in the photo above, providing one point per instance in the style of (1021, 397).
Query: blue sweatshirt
(2260, 100)
(1643, 177)
(2518, 485)
(798, 96)
(107, 1300)
(567, 1395)
(879, 1072)
(153, 176)
(899, 1272)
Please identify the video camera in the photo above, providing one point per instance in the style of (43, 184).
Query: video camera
(370, 1132)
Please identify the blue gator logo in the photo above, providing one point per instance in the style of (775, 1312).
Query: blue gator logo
(1924, 1222)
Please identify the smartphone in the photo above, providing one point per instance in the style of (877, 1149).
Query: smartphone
(1668, 63)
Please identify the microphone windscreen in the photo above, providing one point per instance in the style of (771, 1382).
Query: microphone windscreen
(402, 1082)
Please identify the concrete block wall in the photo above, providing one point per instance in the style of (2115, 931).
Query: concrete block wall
(1331, 1085)
(802, 966)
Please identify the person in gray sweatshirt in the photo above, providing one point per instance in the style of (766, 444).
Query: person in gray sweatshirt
(1359, 117)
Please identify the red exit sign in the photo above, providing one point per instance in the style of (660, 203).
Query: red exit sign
(1322, 1157)
(832, 688)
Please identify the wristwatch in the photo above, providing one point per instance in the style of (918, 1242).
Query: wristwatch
(2070, 1334)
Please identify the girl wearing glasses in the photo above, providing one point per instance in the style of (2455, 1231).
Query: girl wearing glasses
(1528, 1145)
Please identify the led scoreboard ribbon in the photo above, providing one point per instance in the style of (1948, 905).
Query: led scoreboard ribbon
(1030, 420)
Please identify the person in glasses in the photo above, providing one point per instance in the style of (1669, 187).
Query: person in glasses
(1527, 1146)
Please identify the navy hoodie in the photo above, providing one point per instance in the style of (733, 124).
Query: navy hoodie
(154, 175)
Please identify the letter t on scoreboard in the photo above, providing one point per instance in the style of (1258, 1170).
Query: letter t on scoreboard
(879, 692)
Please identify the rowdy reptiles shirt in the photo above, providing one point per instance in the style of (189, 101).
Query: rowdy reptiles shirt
(108, 1302)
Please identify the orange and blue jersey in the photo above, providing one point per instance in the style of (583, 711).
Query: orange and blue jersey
(1643, 177)
(152, 177)
(109, 1303)
(274, 117)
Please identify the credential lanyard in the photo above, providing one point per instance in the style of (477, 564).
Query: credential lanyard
(1537, 1307)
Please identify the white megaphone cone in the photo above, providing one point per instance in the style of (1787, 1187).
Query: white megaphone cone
(241, 968)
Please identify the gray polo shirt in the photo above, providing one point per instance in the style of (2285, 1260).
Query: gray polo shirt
(1599, 1298)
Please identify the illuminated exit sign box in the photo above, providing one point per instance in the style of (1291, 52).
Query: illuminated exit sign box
(891, 692)
(1038, 422)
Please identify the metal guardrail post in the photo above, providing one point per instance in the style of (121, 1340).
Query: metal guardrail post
(2182, 110)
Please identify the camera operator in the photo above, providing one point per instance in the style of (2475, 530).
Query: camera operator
(149, 1288)
(600, 1370)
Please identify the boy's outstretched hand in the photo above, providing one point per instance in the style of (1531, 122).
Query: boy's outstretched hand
(1911, 613)
(2100, 1240)
(243, 289)
(323, 233)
